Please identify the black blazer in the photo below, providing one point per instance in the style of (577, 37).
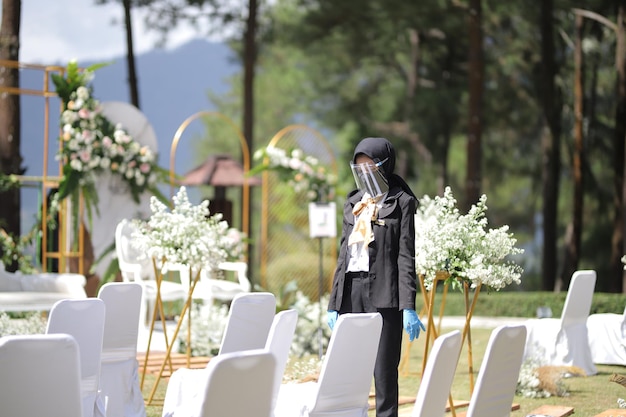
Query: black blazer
(393, 282)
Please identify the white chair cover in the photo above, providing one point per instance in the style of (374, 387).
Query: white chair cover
(564, 341)
(83, 320)
(135, 268)
(185, 384)
(607, 338)
(279, 342)
(249, 320)
(499, 371)
(119, 375)
(345, 379)
(236, 384)
(40, 376)
(438, 375)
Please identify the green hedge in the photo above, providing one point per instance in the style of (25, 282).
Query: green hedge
(521, 304)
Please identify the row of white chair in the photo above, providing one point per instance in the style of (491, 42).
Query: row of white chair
(84, 366)
(245, 378)
(578, 338)
(236, 381)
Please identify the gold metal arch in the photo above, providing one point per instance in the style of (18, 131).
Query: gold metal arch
(245, 152)
(46, 182)
(265, 188)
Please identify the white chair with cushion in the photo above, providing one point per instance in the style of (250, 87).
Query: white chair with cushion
(564, 341)
(84, 321)
(136, 268)
(607, 338)
(434, 390)
(210, 288)
(499, 371)
(40, 376)
(38, 292)
(119, 375)
(345, 379)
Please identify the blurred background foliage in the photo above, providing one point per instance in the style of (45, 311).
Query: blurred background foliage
(399, 69)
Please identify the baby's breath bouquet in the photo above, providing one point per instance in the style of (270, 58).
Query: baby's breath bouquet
(462, 246)
(187, 234)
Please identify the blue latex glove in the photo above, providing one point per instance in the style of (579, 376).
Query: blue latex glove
(412, 323)
(332, 318)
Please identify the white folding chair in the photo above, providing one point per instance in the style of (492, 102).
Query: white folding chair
(119, 375)
(607, 338)
(564, 341)
(134, 268)
(249, 320)
(499, 371)
(185, 385)
(40, 376)
(84, 321)
(345, 379)
(434, 390)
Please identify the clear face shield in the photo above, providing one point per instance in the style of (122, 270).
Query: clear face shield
(370, 178)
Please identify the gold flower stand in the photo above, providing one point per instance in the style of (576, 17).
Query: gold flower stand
(158, 309)
(433, 331)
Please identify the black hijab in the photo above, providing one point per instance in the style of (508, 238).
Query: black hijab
(380, 149)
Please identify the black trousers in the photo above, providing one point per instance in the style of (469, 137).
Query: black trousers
(356, 300)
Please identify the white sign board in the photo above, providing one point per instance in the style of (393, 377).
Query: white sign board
(322, 220)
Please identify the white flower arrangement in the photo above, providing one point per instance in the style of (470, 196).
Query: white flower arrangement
(303, 172)
(91, 144)
(528, 382)
(461, 245)
(32, 323)
(187, 234)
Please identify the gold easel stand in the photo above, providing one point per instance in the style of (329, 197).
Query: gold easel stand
(167, 361)
(432, 331)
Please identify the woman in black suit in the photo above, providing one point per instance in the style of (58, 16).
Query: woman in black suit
(376, 266)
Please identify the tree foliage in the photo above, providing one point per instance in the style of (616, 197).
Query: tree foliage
(400, 69)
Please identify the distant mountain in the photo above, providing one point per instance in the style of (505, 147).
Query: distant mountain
(172, 86)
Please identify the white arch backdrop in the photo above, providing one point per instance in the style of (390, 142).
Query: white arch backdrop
(115, 201)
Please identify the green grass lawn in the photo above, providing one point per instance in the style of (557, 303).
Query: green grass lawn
(588, 395)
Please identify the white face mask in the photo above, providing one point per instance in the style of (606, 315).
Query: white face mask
(370, 178)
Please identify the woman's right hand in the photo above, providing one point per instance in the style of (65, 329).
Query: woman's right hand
(332, 318)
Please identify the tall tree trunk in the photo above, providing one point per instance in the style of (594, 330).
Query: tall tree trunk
(130, 55)
(572, 245)
(249, 63)
(10, 158)
(551, 147)
(476, 77)
(618, 276)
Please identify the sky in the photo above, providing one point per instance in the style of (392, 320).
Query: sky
(56, 31)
